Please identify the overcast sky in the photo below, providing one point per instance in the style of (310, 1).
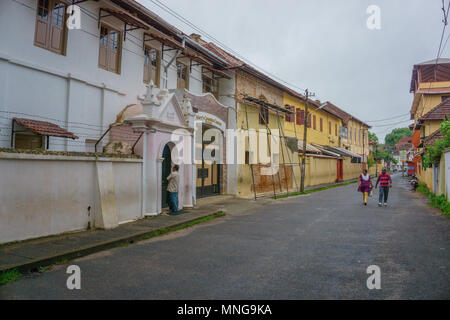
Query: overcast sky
(325, 46)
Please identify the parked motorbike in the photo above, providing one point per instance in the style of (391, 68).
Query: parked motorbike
(414, 183)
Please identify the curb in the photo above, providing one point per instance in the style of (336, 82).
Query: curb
(90, 249)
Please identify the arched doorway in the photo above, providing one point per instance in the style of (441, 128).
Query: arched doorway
(209, 175)
(166, 169)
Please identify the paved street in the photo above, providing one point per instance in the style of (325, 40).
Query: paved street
(316, 246)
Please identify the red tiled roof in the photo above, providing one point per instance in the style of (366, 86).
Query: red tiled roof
(45, 128)
(237, 63)
(338, 112)
(404, 140)
(429, 140)
(440, 112)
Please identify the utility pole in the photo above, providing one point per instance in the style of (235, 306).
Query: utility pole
(364, 155)
(305, 132)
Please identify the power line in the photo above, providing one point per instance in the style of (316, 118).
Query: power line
(390, 118)
(207, 35)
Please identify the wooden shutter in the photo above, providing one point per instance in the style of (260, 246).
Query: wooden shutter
(42, 23)
(113, 50)
(58, 19)
(27, 141)
(103, 51)
(309, 120)
(329, 127)
(335, 129)
(314, 122)
(146, 65)
(181, 76)
(290, 117)
(321, 124)
(300, 116)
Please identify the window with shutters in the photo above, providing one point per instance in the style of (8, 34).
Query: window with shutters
(335, 130)
(210, 85)
(152, 63)
(300, 115)
(110, 49)
(329, 127)
(350, 134)
(28, 141)
(50, 30)
(308, 123)
(290, 117)
(321, 124)
(314, 122)
(263, 113)
(182, 76)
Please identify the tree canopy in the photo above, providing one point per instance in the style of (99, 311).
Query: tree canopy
(392, 138)
(373, 137)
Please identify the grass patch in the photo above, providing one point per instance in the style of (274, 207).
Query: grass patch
(298, 193)
(44, 268)
(8, 276)
(436, 201)
(182, 226)
(62, 261)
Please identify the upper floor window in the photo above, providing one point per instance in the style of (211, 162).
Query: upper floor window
(211, 85)
(110, 49)
(329, 127)
(300, 117)
(314, 122)
(321, 124)
(152, 62)
(290, 117)
(182, 76)
(350, 134)
(50, 30)
(335, 130)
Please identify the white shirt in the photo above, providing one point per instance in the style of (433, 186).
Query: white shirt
(173, 179)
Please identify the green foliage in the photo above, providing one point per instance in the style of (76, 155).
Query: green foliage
(436, 201)
(433, 153)
(370, 162)
(385, 155)
(392, 138)
(373, 137)
(8, 276)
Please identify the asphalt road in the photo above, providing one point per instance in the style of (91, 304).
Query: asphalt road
(316, 246)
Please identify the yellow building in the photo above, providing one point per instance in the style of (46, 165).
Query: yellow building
(430, 84)
(323, 126)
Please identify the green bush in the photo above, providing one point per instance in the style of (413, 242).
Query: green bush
(436, 201)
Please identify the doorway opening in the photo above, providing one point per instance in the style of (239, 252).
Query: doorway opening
(166, 169)
(209, 175)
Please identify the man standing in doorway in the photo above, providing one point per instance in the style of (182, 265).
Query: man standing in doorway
(385, 183)
(172, 189)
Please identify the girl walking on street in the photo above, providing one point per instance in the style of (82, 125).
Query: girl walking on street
(365, 185)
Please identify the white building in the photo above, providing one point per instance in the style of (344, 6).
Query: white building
(66, 87)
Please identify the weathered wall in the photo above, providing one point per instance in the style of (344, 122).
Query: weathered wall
(447, 173)
(320, 171)
(426, 176)
(351, 170)
(45, 195)
(71, 89)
